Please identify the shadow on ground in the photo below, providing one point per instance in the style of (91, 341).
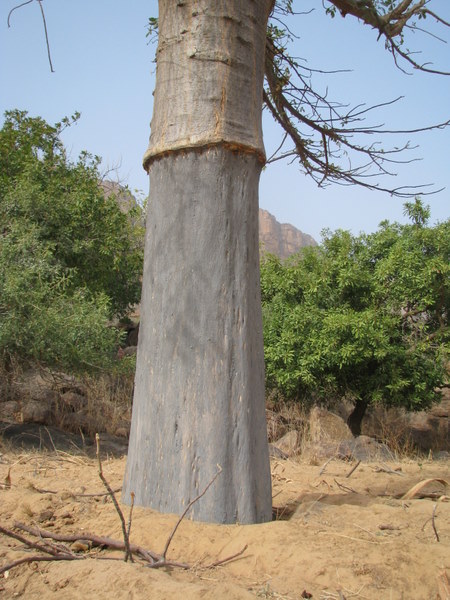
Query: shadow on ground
(31, 436)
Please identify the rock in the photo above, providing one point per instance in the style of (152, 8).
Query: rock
(9, 410)
(77, 422)
(280, 238)
(364, 448)
(361, 448)
(325, 426)
(130, 351)
(289, 443)
(44, 393)
(36, 412)
(122, 432)
(275, 452)
(73, 402)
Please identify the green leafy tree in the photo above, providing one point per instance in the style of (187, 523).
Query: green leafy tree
(100, 245)
(70, 259)
(361, 317)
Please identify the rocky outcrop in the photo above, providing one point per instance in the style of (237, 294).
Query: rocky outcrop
(281, 239)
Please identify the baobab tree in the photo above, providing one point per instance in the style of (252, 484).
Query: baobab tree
(199, 389)
(198, 406)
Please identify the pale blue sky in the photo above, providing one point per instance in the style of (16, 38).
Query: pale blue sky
(104, 69)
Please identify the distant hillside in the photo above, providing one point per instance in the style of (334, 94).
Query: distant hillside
(281, 239)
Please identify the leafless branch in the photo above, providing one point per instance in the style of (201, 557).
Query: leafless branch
(186, 510)
(128, 554)
(325, 134)
(44, 23)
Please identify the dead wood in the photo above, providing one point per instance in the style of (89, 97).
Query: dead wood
(58, 551)
(418, 489)
(433, 523)
(128, 554)
(188, 507)
(353, 469)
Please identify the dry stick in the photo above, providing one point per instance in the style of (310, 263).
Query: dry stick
(30, 559)
(187, 509)
(95, 539)
(344, 487)
(131, 514)
(354, 469)
(128, 554)
(386, 469)
(433, 524)
(322, 470)
(227, 559)
(43, 548)
(95, 495)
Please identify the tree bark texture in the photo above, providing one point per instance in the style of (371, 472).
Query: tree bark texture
(199, 388)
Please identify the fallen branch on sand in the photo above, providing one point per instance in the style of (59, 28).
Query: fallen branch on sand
(56, 549)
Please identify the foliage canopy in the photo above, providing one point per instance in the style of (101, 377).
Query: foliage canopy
(364, 317)
(70, 259)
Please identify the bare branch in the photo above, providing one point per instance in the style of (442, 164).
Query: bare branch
(128, 554)
(326, 135)
(188, 507)
(43, 21)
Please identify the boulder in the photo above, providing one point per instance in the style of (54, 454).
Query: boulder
(9, 410)
(289, 444)
(36, 412)
(325, 426)
(73, 402)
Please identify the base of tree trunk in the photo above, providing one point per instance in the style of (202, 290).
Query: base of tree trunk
(199, 388)
(354, 420)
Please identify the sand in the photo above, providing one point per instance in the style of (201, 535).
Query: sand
(335, 537)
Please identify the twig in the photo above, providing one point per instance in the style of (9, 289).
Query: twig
(433, 524)
(128, 554)
(350, 473)
(344, 487)
(96, 495)
(386, 469)
(46, 36)
(227, 559)
(166, 548)
(131, 514)
(96, 540)
(38, 558)
(322, 470)
(20, 538)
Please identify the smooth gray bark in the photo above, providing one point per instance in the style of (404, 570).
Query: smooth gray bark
(199, 388)
(199, 399)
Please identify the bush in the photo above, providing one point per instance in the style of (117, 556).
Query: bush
(70, 260)
(361, 317)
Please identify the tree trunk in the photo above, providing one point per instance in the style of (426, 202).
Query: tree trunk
(354, 420)
(199, 389)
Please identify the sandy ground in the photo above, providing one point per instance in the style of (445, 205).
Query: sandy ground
(336, 537)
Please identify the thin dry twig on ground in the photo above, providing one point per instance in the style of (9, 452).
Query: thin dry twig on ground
(350, 473)
(325, 465)
(51, 551)
(345, 488)
(128, 554)
(385, 469)
(96, 540)
(433, 523)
